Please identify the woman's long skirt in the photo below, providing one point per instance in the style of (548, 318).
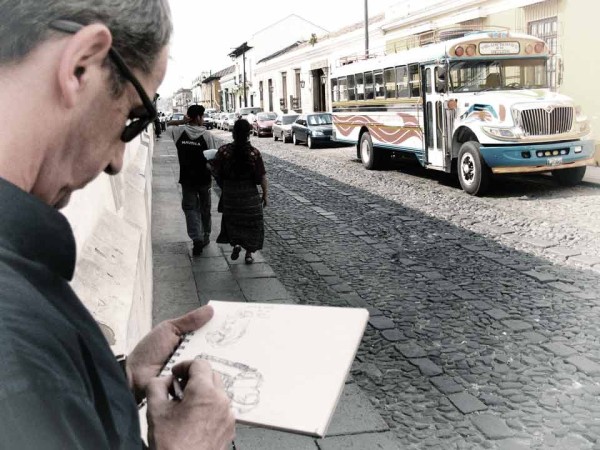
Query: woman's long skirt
(242, 221)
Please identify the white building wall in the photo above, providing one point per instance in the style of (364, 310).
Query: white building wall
(324, 54)
(265, 42)
(111, 221)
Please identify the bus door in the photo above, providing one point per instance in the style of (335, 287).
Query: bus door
(433, 118)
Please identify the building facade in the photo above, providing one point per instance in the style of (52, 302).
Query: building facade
(289, 30)
(182, 99)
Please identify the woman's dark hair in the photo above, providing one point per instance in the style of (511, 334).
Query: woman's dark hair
(241, 164)
(241, 131)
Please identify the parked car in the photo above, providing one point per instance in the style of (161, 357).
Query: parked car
(222, 120)
(315, 128)
(228, 124)
(282, 128)
(209, 122)
(243, 113)
(263, 123)
(177, 116)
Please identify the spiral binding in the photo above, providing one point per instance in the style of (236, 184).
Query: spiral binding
(171, 362)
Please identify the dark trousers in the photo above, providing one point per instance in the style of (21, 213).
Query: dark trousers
(196, 207)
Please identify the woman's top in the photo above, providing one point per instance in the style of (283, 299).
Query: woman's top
(238, 163)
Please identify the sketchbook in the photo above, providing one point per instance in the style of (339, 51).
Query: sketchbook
(283, 366)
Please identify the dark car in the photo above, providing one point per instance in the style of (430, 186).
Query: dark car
(262, 123)
(178, 116)
(315, 128)
(282, 128)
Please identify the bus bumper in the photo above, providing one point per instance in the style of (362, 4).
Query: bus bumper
(538, 157)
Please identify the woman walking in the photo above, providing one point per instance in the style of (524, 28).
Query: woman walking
(239, 168)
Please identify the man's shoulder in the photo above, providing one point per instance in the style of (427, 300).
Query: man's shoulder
(26, 309)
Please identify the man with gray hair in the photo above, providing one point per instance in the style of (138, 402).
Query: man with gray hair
(89, 68)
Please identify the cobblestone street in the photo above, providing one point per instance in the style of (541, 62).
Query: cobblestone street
(484, 311)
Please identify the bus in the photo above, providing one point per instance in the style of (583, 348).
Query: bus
(475, 104)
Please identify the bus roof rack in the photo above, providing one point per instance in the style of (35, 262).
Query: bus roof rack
(440, 35)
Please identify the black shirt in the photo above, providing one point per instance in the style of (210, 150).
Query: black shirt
(60, 385)
(192, 162)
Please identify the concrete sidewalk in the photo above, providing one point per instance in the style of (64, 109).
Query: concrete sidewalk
(182, 283)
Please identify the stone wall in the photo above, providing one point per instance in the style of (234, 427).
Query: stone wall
(111, 222)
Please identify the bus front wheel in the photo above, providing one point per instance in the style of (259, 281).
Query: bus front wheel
(474, 175)
(369, 156)
(569, 177)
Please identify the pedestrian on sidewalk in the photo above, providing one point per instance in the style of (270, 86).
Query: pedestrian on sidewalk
(239, 167)
(191, 139)
(90, 68)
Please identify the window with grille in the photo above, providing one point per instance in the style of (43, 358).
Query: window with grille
(547, 29)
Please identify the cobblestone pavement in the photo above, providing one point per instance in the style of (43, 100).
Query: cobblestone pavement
(484, 311)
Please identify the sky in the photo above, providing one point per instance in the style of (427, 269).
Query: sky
(205, 32)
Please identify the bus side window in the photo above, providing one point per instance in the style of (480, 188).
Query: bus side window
(379, 88)
(415, 80)
(360, 86)
(389, 78)
(335, 93)
(343, 91)
(351, 89)
(427, 81)
(369, 86)
(402, 82)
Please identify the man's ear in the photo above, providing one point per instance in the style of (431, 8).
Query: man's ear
(83, 54)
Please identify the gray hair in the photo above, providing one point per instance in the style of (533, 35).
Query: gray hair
(140, 28)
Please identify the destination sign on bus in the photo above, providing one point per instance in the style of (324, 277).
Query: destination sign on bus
(499, 48)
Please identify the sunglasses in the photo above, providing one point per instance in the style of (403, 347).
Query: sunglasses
(137, 120)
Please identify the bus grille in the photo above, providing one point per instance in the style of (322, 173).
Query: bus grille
(538, 122)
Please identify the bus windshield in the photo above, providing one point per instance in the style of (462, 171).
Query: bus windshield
(478, 76)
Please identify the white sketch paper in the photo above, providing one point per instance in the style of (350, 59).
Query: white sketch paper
(242, 382)
(283, 366)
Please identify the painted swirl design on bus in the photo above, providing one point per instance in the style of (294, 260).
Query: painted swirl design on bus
(383, 133)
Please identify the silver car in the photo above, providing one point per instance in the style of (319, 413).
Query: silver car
(282, 128)
(221, 121)
(228, 124)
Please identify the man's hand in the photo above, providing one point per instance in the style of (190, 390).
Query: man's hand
(150, 355)
(202, 420)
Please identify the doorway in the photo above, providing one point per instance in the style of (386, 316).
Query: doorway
(318, 83)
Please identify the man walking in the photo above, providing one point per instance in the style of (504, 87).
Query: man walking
(90, 68)
(191, 139)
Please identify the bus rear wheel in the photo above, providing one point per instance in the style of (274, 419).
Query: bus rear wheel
(370, 157)
(569, 177)
(474, 175)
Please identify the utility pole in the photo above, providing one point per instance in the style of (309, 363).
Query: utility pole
(367, 29)
(244, 75)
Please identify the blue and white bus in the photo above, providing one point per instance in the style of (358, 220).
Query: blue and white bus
(479, 104)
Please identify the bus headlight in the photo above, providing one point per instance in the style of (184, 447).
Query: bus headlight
(500, 132)
(583, 126)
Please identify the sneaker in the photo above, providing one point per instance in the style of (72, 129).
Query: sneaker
(197, 249)
(206, 240)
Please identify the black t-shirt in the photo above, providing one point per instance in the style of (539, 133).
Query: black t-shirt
(60, 385)
(192, 162)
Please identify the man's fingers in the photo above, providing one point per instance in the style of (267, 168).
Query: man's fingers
(194, 369)
(158, 390)
(217, 380)
(193, 320)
